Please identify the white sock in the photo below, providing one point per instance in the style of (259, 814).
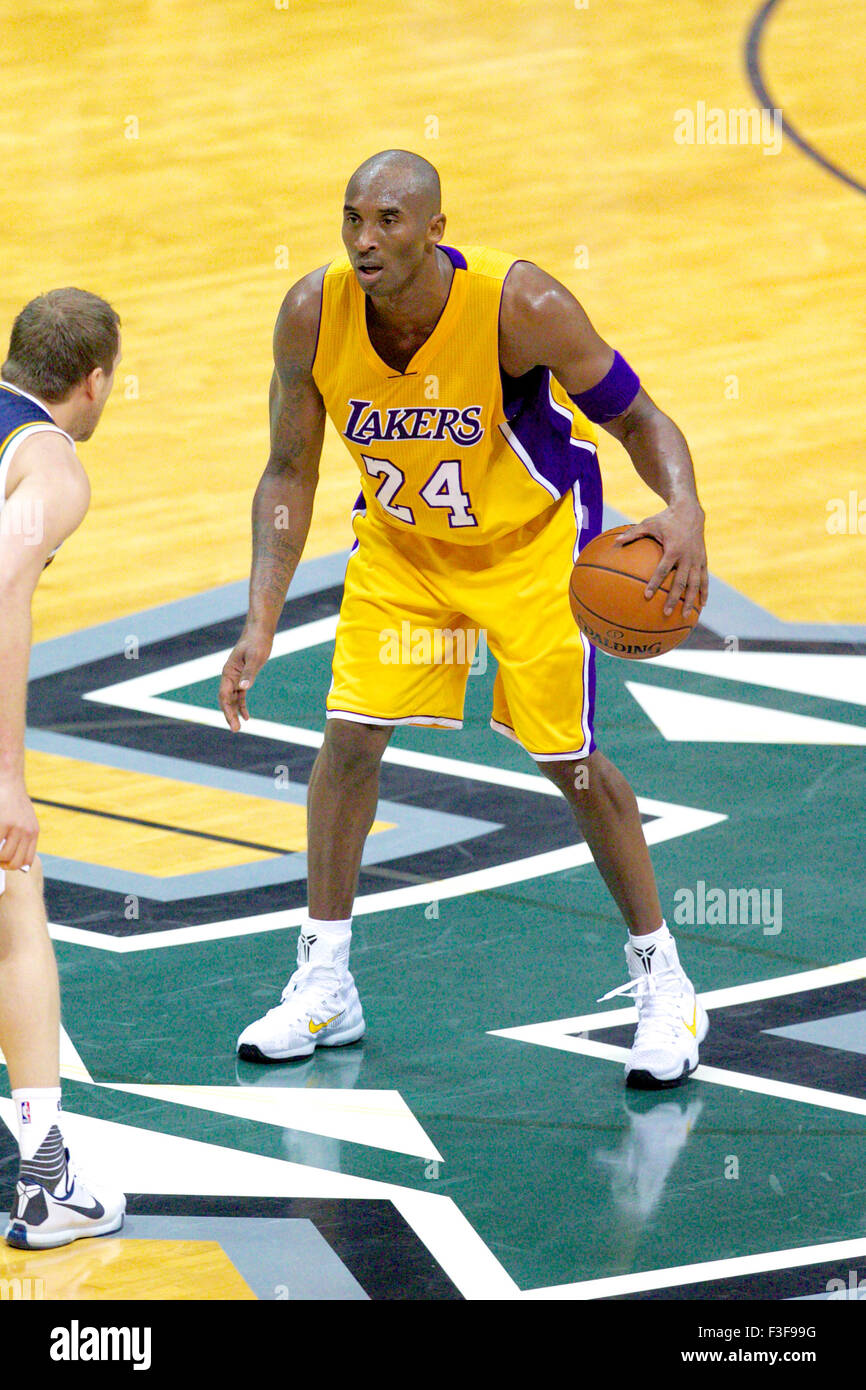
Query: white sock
(327, 943)
(653, 938)
(36, 1111)
(334, 933)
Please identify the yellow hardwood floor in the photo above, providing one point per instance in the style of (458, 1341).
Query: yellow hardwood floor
(114, 1267)
(188, 162)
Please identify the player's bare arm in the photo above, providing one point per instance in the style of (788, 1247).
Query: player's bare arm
(48, 496)
(543, 324)
(283, 502)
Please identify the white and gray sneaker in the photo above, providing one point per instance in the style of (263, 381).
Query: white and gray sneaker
(319, 1007)
(54, 1204)
(672, 1022)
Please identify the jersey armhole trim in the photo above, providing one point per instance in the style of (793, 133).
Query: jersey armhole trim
(12, 443)
(319, 324)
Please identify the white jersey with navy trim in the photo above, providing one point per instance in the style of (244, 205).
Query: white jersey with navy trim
(21, 415)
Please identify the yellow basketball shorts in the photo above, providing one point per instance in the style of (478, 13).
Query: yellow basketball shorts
(419, 616)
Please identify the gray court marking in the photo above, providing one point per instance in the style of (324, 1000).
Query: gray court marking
(280, 1258)
(173, 618)
(727, 613)
(847, 1032)
(415, 830)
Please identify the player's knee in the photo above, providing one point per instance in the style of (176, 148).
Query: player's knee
(583, 781)
(607, 775)
(354, 751)
(576, 774)
(569, 775)
(603, 786)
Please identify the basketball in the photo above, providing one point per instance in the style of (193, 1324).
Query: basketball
(606, 592)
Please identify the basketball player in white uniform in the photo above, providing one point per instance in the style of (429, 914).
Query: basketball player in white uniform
(58, 375)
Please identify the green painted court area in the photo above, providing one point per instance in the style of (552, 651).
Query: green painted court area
(563, 1175)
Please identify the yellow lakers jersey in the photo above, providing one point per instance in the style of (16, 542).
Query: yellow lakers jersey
(449, 448)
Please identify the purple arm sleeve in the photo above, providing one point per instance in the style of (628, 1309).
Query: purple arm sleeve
(610, 396)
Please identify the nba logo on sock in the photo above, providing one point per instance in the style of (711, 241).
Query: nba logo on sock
(25, 1112)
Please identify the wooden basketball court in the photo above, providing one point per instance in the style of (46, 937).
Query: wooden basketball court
(188, 163)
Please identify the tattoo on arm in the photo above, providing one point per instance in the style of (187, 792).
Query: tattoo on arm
(283, 504)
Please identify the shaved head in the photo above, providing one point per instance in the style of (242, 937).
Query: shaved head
(392, 224)
(401, 173)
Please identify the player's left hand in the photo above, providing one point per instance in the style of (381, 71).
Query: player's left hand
(680, 532)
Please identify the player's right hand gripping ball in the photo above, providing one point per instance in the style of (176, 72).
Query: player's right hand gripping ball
(606, 592)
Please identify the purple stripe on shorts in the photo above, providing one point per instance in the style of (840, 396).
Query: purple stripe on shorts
(591, 503)
(590, 703)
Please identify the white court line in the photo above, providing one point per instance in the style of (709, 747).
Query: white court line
(312, 738)
(436, 1220)
(682, 717)
(380, 1119)
(143, 694)
(559, 1034)
(454, 1242)
(144, 1160)
(737, 1265)
(143, 703)
(842, 973)
(673, 821)
(149, 1161)
(202, 668)
(717, 1076)
(825, 675)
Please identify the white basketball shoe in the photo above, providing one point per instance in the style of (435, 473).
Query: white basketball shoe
(672, 1022)
(319, 1007)
(55, 1205)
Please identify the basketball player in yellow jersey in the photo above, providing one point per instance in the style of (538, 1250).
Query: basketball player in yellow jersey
(56, 379)
(467, 387)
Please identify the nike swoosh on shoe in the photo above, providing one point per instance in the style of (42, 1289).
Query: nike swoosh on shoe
(96, 1210)
(317, 1027)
